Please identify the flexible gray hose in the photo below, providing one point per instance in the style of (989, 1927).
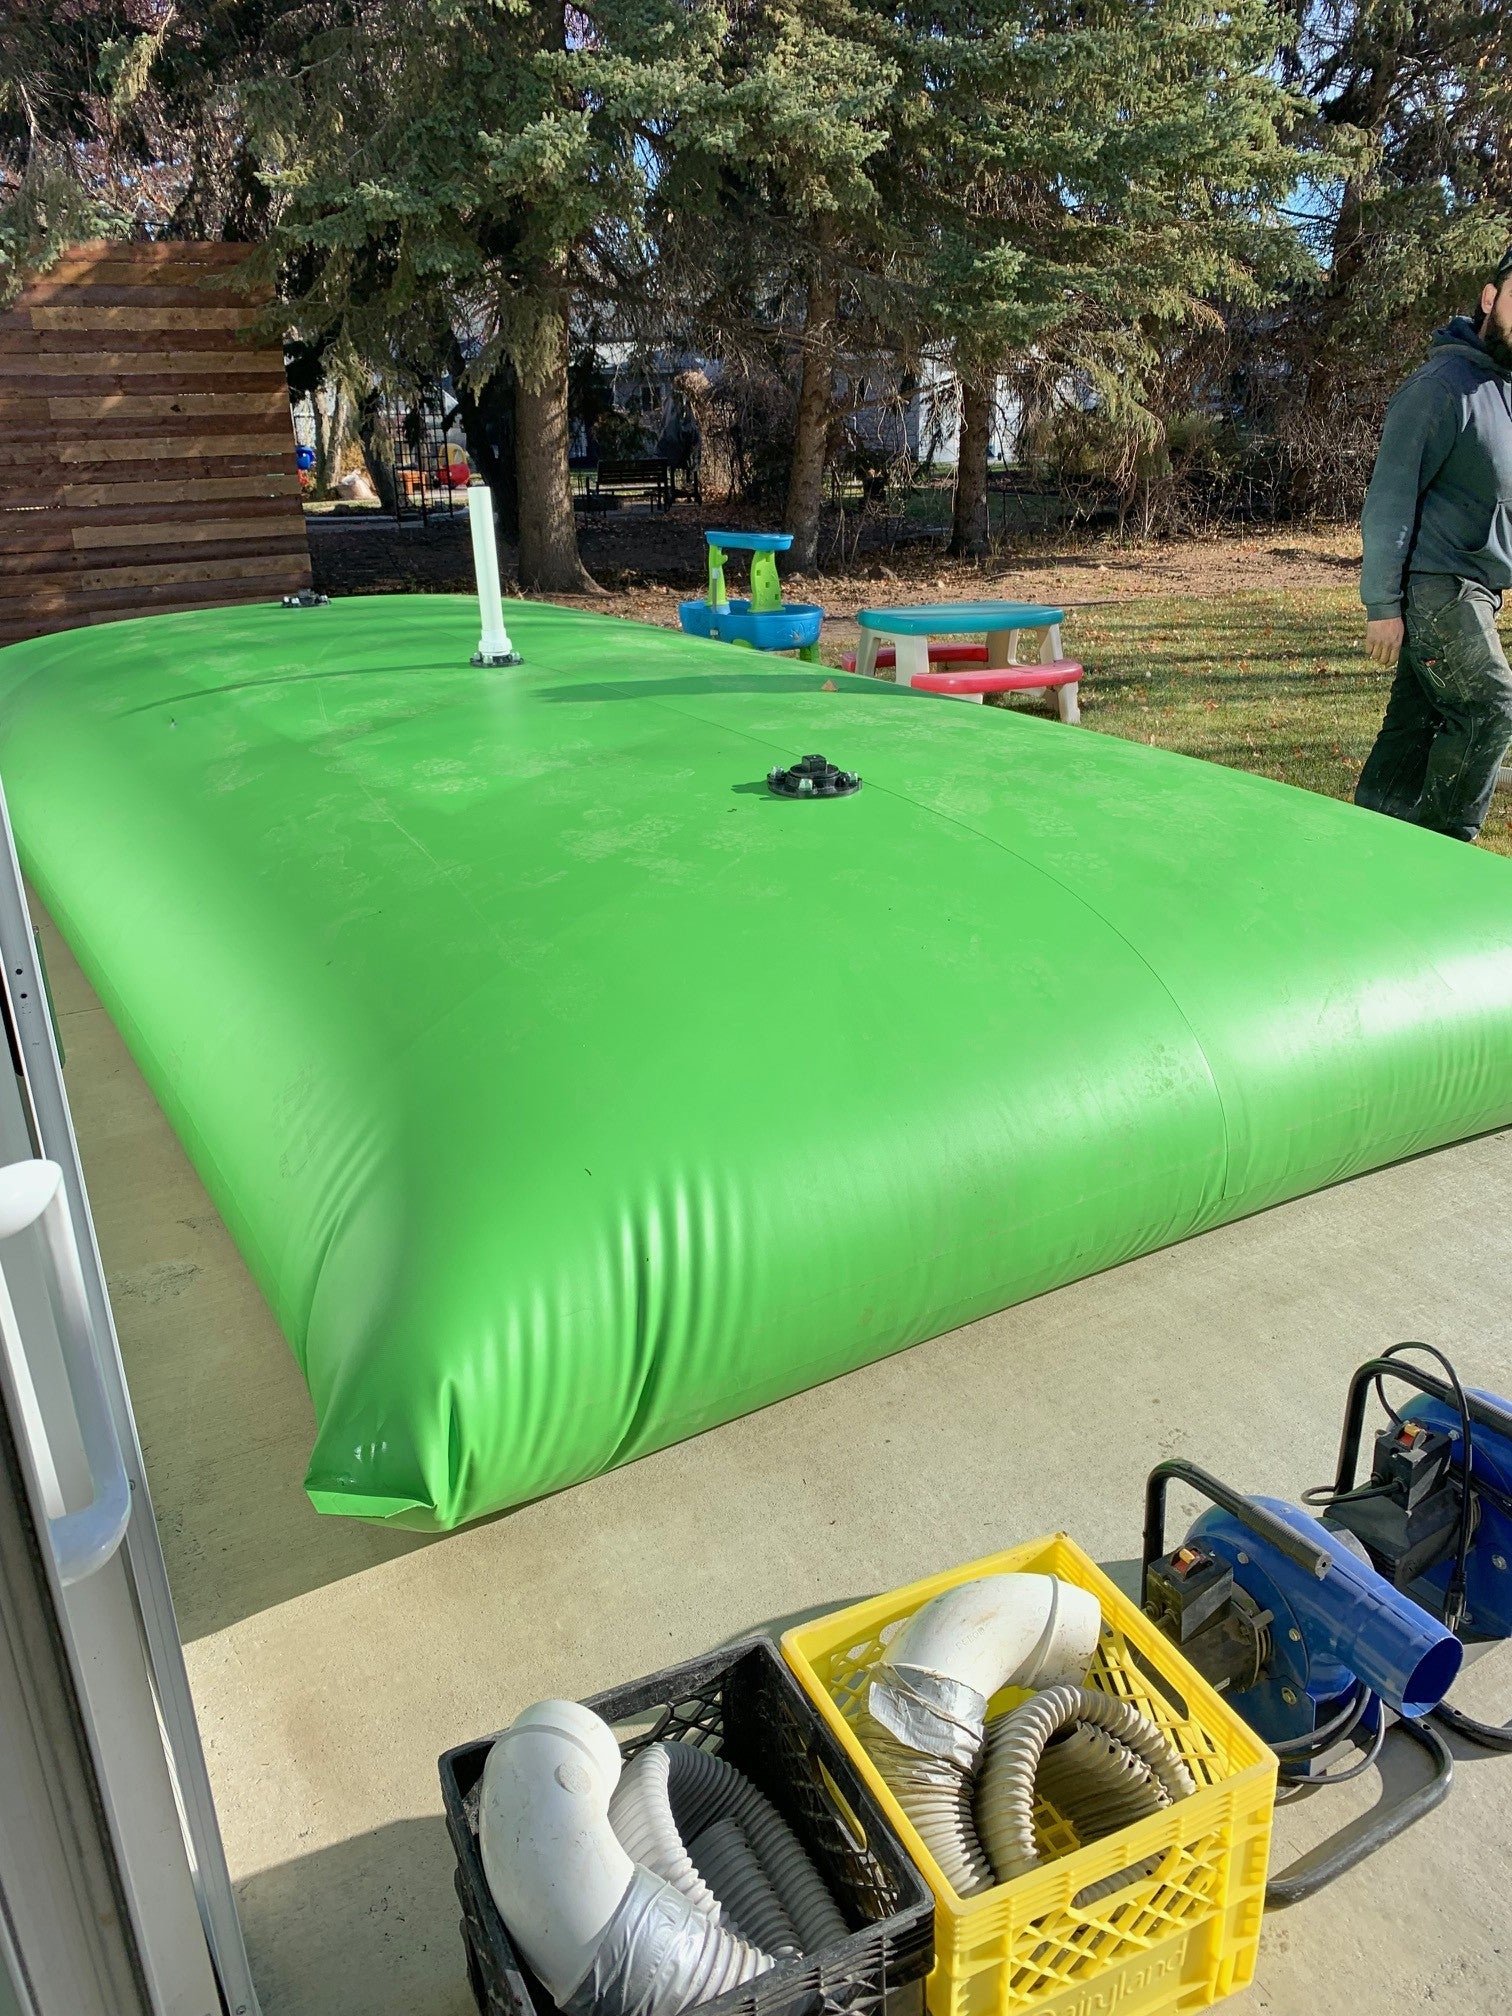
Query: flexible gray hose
(1112, 1767)
(936, 1794)
(747, 1898)
(645, 1890)
(641, 1815)
(670, 1794)
(1096, 1782)
(1103, 1785)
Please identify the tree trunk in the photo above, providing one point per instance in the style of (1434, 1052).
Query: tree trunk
(488, 427)
(968, 531)
(371, 433)
(816, 398)
(340, 437)
(548, 530)
(322, 470)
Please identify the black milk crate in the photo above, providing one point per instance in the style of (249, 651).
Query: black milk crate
(744, 1703)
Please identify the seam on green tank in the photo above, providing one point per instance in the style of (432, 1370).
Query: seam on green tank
(1076, 896)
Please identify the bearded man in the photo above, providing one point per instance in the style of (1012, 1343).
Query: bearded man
(1437, 533)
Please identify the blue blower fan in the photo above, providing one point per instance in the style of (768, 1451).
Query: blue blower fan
(1306, 1640)
(1435, 1515)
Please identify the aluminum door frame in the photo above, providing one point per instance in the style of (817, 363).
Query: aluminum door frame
(24, 1001)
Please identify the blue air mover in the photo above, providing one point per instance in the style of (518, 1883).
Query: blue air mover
(1293, 1624)
(1447, 1546)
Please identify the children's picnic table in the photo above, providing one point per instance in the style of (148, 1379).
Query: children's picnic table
(901, 637)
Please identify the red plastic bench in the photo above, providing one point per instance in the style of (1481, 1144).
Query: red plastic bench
(943, 653)
(1061, 675)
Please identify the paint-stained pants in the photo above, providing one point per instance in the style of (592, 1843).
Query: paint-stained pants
(1449, 718)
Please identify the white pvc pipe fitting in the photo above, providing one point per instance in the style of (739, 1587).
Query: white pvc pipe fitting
(551, 1858)
(940, 1671)
(1020, 1630)
(494, 647)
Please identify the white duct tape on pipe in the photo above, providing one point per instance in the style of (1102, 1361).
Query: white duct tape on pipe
(969, 1641)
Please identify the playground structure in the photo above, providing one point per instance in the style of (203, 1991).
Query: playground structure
(761, 620)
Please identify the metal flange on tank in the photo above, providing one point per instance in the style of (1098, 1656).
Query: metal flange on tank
(812, 777)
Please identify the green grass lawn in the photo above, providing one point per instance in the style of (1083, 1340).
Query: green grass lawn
(1275, 683)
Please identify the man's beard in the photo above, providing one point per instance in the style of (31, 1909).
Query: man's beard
(1498, 346)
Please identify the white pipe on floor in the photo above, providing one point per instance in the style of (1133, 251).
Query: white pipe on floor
(494, 647)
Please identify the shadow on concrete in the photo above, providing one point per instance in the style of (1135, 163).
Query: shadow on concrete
(1125, 1576)
(1403, 1769)
(773, 1627)
(366, 1927)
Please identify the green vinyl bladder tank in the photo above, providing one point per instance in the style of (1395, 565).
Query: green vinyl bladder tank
(568, 1092)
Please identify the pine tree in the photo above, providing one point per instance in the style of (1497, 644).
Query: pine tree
(1414, 104)
(85, 151)
(1100, 177)
(446, 166)
(785, 222)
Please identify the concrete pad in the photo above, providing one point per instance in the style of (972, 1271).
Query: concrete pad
(333, 1662)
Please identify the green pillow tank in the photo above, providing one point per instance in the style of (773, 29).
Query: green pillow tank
(569, 1091)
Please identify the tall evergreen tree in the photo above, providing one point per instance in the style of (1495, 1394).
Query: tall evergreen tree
(84, 149)
(1413, 99)
(468, 166)
(1099, 178)
(785, 210)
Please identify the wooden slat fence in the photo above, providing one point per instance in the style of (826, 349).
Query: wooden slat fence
(146, 447)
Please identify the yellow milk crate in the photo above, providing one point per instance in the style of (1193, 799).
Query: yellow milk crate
(1176, 1938)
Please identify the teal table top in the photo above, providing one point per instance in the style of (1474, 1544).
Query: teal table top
(949, 619)
(750, 542)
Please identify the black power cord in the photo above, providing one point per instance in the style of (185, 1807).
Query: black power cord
(1368, 1756)
(1333, 1732)
(1284, 1890)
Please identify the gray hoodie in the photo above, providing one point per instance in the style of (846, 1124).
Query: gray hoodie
(1440, 501)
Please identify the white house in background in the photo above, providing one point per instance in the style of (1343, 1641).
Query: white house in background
(896, 412)
(920, 412)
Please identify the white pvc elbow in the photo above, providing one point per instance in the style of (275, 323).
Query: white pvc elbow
(609, 1934)
(550, 1855)
(968, 1643)
(928, 1697)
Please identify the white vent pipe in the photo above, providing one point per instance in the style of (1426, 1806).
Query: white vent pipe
(968, 1643)
(927, 1700)
(494, 647)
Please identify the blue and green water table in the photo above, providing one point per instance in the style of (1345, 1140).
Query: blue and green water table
(569, 1091)
(762, 619)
